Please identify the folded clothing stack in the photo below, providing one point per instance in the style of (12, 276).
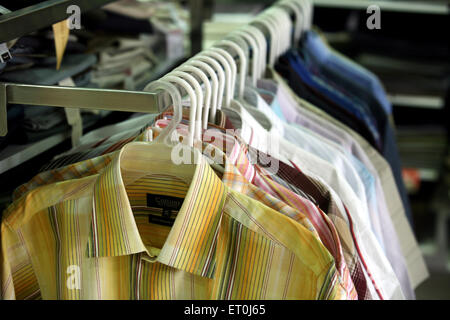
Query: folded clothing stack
(121, 65)
(34, 62)
(36, 51)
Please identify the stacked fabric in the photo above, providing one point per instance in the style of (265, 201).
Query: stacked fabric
(34, 62)
(129, 43)
(115, 49)
(122, 66)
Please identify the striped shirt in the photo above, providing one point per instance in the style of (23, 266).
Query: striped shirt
(322, 196)
(336, 212)
(240, 170)
(90, 238)
(116, 141)
(347, 261)
(235, 180)
(381, 279)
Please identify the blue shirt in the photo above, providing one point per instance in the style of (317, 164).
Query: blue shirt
(336, 64)
(356, 108)
(366, 86)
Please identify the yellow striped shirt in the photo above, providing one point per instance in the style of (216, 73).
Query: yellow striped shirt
(90, 238)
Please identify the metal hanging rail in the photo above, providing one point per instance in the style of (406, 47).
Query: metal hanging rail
(24, 21)
(73, 97)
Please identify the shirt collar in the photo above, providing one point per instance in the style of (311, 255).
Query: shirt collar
(114, 231)
(250, 130)
(316, 47)
(269, 85)
(235, 150)
(233, 153)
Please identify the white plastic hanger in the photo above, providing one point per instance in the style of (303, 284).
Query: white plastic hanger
(243, 64)
(159, 157)
(289, 4)
(201, 108)
(260, 21)
(253, 44)
(174, 77)
(305, 10)
(259, 37)
(233, 36)
(228, 73)
(281, 22)
(199, 95)
(170, 130)
(233, 69)
(242, 44)
(221, 77)
(310, 11)
(269, 18)
(246, 42)
(285, 26)
(173, 92)
(195, 61)
(254, 41)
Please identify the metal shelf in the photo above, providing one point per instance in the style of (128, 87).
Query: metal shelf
(413, 101)
(429, 175)
(24, 21)
(401, 6)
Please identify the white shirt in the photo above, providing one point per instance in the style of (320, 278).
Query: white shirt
(373, 255)
(327, 152)
(390, 205)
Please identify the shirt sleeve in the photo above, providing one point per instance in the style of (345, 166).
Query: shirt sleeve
(18, 277)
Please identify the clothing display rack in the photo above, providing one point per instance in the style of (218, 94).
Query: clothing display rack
(411, 60)
(20, 22)
(29, 19)
(136, 218)
(70, 97)
(23, 21)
